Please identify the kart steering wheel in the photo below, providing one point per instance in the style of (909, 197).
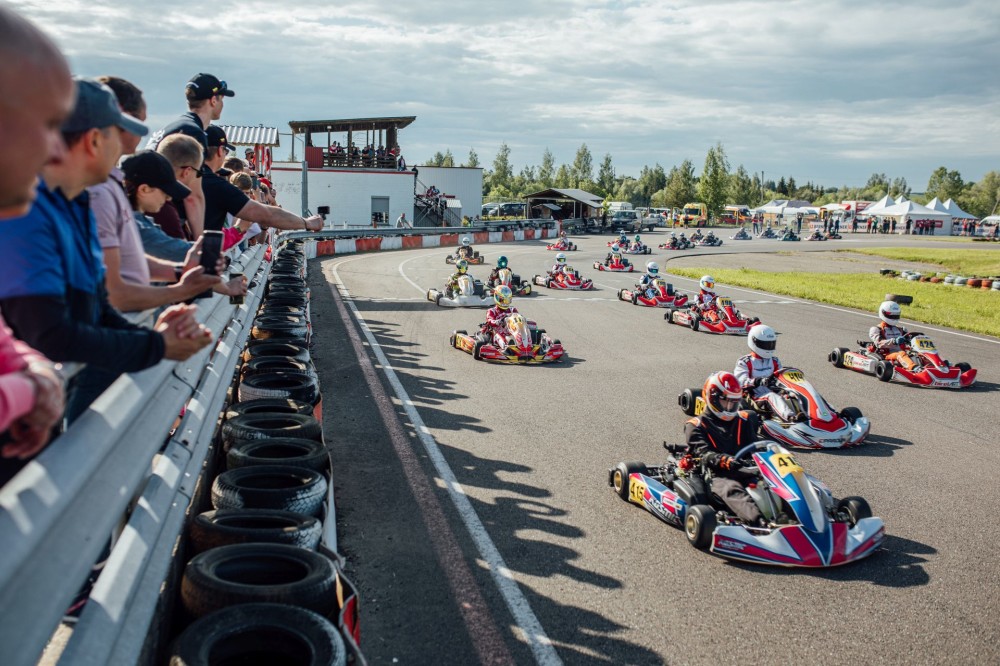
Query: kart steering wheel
(748, 449)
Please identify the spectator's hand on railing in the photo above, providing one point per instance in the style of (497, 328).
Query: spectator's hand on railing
(182, 335)
(236, 286)
(314, 223)
(195, 281)
(31, 432)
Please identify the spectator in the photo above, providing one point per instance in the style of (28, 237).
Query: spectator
(205, 99)
(187, 157)
(401, 222)
(234, 164)
(222, 197)
(31, 393)
(251, 158)
(53, 292)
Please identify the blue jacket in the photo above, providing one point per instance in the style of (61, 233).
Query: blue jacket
(52, 293)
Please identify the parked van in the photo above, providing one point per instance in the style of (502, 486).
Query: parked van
(615, 206)
(695, 213)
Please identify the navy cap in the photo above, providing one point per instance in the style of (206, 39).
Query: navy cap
(206, 86)
(148, 167)
(217, 137)
(97, 108)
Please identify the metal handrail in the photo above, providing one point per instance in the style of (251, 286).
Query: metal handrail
(57, 513)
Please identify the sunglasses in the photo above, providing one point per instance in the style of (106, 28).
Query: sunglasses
(197, 170)
(221, 88)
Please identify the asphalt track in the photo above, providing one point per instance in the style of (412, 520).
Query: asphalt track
(477, 521)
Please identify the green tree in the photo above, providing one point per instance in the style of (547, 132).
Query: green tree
(606, 176)
(502, 174)
(473, 159)
(757, 187)
(651, 181)
(547, 171)
(945, 184)
(628, 190)
(899, 188)
(982, 198)
(680, 185)
(582, 172)
(714, 182)
(782, 187)
(564, 178)
(742, 189)
(436, 160)
(791, 186)
(448, 160)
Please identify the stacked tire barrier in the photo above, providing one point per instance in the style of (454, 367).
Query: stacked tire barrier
(263, 584)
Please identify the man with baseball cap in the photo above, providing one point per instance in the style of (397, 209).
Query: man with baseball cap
(205, 96)
(53, 292)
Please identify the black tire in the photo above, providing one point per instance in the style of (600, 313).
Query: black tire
(687, 399)
(883, 370)
(856, 508)
(476, 350)
(837, 356)
(620, 475)
(279, 349)
(260, 634)
(304, 453)
(271, 364)
(635, 298)
(258, 573)
(212, 529)
(670, 289)
(536, 336)
(302, 386)
(694, 322)
(699, 525)
(268, 425)
(270, 487)
(963, 367)
(851, 414)
(269, 406)
(621, 295)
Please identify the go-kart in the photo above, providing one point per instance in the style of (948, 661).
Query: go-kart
(664, 295)
(833, 235)
(676, 243)
(741, 235)
(561, 246)
(473, 258)
(806, 525)
(470, 293)
(724, 318)
(929, 369)
(768, 232)
(521, 342)
(507, 277)
(789, 235)
(825, 427)
(636, 248)
(621, 265)
(568, 279)
(816, 235)
(708, 240)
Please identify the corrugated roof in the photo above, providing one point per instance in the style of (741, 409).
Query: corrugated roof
(242, 135)
(353, 124)
(581, 196)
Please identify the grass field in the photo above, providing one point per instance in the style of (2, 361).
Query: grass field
(956, 307)
(967, 262)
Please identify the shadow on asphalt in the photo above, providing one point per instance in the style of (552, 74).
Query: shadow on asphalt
(875, 446)
(982, 387)
(521, 524)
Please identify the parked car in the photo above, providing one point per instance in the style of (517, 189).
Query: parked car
(512, 209)
(489, 209)
(624, 219)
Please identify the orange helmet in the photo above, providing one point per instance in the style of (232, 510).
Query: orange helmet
(722, 394)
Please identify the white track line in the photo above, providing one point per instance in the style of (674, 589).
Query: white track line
(525, 618)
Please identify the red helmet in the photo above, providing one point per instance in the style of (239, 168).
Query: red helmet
(722, 394)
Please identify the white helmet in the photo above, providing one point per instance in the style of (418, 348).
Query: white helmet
(707, 283)
(652, 268)
(889, 312)
(762, 340)
(560, 258)
(466, 241)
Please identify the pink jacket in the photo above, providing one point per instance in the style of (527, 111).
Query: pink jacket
(17, 393)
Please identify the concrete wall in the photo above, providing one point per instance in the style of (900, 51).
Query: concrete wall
(348, 192)
(463, 182)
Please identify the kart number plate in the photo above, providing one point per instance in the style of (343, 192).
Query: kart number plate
(725, 302)
(637, 491)
(923, 344)
(785, 464)
(699, 406)
(794, 377)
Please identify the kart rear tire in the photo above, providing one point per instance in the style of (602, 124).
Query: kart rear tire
(477, 349)
(884, 371)
(437, 299)
(856, 508)
(635, 299)
(851, 414)
(699, 525)
(620, 476)
(669, 315)
(449, 259)
(694, 322)
(837, 356)
(621, 294)
(687, 399)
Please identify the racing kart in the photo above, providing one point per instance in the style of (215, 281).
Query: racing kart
(680, 243)
(929, 369)
(768, 233)
(568, 279)
(561, 246)
(741, 235)
(708, 240)
(507, 277)
(824, 427)
(817, 235)
(806, 525)
(470, 293)
(520, 343)
(724, 318)
(789, 235)
(473, 258)
(622, 266)
(636, 248)
(833, 235)
(664, 295)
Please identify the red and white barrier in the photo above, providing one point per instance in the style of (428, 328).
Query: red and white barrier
(336, 246)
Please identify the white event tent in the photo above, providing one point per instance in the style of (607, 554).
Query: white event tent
(957, 213)
(914, 211)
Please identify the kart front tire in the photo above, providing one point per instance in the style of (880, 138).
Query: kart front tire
(963, 367)
(856, 508)
(694, 322)
(527, 289)
(851, 414)
(884, 370)
(620, 475)
(477, 350)
(699, 526)
(837, 356)
(687, 399)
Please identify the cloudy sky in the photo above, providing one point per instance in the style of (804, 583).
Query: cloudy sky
(823, 90)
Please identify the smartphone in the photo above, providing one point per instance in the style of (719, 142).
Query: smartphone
(211, 248)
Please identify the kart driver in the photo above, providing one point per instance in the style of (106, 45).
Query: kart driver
(719, 432)
(646, 281)
(494, 278)
(754, 371)
(889, 336)
(615, 258)
(451, 286)
(637, 243)
(496, 316)
(465, 251)
(705, 300)
(559, 266)
(622, 239)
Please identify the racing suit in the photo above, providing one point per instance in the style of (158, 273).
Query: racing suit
(705, 300)
(751, 367)
(494, 278)
(646, 282)
(465, 252)
(496, 319)
(557, 269)
(715, 441)
(451, 286)
(884, 336)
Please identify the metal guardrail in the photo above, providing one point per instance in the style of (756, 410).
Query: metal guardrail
(57, 514)
(360, 232)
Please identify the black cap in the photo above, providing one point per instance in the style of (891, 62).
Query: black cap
(148, 167)
(97, 108)
(206, 86)
(217, 137)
